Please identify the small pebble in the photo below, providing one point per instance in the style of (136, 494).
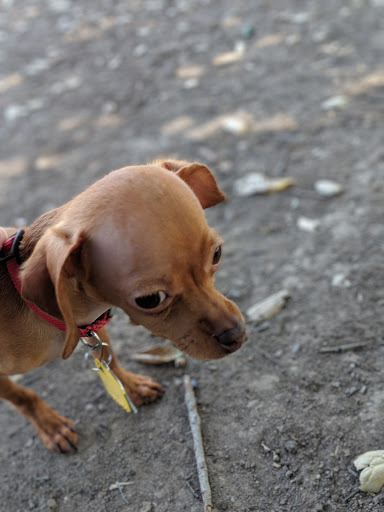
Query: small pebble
(328, 188)
(247, 31)
(306, 224)
(52, 504)
(237, 125)
(191, 83)
(291, 446)
(146, 507)
(340, 280)
(334, 102)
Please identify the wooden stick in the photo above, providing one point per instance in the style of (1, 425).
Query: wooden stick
(343, 348)
(194, 421)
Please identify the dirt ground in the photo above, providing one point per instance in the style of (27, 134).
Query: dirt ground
(285, 88)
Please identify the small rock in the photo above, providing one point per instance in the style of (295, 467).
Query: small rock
(59, 5)
(291, 446)
(37, 66)
(328, 188)
(306, 224)
(52, 504)
(146, 507)
(334, 102)
(191, 83)
(236, 125)
(13, 112)
(300, 17)
(140, 50)
(247, 31)
(340, 280)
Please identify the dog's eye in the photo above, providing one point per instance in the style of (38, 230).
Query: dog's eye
(217, 256)
(151, 301)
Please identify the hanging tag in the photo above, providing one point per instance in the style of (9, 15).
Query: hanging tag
(111, 382)
(113, 386)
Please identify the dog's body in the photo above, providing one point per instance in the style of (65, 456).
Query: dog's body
(136, 239)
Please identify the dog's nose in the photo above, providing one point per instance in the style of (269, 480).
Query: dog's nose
(231, 336)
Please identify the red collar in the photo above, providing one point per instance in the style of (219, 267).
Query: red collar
(10, 256)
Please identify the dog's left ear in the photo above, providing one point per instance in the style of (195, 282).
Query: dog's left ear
(46, 279)
(199, 178)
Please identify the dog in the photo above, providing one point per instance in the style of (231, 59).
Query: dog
(138, 240)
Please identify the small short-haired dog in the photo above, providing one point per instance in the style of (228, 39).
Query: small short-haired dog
(137, 239)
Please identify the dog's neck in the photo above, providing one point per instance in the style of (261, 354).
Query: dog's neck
(35, 231)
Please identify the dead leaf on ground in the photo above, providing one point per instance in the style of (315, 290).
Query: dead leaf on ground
(159, 354)
(258, 183)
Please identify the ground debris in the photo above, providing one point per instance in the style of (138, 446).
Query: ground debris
(343, 348)
(371, 465)
(268, 308)
(328, 188)
(258, 183)
(194, 421)
(160, 354)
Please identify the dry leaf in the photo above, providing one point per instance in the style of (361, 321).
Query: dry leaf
(159, 354)
(269, 307)
(257, 183)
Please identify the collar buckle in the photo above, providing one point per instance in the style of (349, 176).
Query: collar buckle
(14, 250)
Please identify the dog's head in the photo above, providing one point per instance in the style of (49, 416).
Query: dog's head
(142, 244)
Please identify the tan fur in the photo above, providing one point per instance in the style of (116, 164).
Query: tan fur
(137, 231)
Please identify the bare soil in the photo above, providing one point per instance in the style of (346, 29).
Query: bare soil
(87, 87)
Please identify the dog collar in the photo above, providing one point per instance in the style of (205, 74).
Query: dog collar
(9, 254)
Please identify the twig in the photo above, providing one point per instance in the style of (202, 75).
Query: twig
(268, 357)
(119, 486)
(343, 348)
(194, 421)
(192, 490)
(351, 495)
(123, 497)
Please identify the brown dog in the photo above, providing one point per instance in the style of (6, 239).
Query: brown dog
(136, 239)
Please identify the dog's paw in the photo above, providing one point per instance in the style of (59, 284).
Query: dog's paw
(56, 431)
(140, 388)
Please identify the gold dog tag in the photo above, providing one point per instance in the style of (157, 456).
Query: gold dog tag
(113, 386)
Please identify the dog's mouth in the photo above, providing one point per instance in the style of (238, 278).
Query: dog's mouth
(210, 346)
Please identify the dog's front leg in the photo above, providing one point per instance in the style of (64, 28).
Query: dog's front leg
(140, 388)
(56, 431)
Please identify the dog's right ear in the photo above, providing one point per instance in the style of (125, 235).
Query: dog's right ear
(45, 279)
